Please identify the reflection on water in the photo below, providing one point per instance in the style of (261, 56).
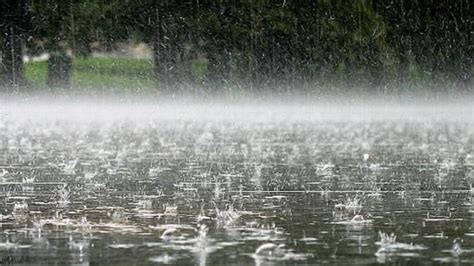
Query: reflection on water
(216, 191)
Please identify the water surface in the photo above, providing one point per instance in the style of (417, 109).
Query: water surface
(137, 185)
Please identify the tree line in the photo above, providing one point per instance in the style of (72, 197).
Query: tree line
(261, 44)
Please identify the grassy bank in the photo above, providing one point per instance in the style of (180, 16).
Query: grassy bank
(105, 75)
(99, 73)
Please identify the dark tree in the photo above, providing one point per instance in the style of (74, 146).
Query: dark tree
(59, 63)
(12, 26)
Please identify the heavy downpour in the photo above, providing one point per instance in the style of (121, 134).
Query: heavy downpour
(317, 132)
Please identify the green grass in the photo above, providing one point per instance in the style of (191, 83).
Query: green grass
(35, 73)
(100, 73)
(115, 66)
(111, 74)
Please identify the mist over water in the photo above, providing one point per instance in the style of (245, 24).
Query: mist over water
(259, 108)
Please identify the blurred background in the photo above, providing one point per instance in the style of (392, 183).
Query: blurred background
(200, 47)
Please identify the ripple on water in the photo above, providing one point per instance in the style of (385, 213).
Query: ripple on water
(122, 246)
(163, 259)
(269, 252)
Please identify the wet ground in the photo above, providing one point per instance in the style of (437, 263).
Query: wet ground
(151, 186)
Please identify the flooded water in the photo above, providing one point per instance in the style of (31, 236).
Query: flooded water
(91, 184)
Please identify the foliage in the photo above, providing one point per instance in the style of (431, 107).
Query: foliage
(261, 43)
